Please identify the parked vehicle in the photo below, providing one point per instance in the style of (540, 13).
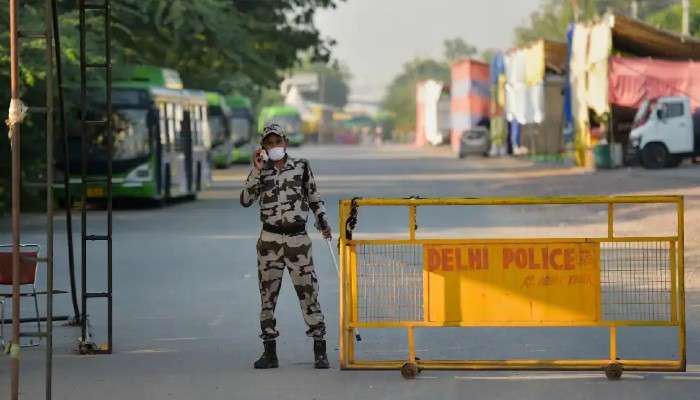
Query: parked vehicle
(161, 138)
(231, 121)
(665, 131)
(288, 117)
(475, 141)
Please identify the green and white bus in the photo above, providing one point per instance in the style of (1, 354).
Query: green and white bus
(161, 138)
(288, 117)
(241, 121)
(231, 121)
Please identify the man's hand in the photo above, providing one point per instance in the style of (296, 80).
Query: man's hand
(258, 159)
(326, 232)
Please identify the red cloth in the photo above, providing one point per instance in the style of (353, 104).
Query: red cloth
(633, 80)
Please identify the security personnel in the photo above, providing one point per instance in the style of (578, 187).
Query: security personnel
(285, 190)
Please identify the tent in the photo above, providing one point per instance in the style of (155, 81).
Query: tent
(534, 99)
(596, 48)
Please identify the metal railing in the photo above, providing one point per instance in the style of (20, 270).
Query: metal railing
(607, 281)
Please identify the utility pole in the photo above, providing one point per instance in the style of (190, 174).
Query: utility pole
(14, 121)
(635, 9)
(686, 17)
(576, 10)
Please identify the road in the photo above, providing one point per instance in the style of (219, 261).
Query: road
(186, 301)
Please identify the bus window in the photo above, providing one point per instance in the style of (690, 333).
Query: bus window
(177, 142)
(163, 124)
(241, 128)
(194, 125)
(171, 126)
(130, 134)
(205, 138)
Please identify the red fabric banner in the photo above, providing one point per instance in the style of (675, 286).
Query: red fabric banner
(633, 80)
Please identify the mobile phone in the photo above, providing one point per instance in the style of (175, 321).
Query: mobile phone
(263, 156)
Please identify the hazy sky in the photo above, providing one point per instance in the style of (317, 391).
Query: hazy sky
(376, 37)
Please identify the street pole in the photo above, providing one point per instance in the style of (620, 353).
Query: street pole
(322, 100)
(576, 10)
(635, 9)
(686, 17)
(14, 125)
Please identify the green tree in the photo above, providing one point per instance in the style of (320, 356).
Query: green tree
(225, 45)
(400, 97)
(215, 42)
(554, 16)
(670, 18)
(487, 55)
(457, 48)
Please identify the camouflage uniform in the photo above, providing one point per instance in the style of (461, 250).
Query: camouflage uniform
(285, 197)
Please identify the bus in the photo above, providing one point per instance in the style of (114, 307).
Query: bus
(161, 138)
(241, 122)
(288, 117)
(231, 121)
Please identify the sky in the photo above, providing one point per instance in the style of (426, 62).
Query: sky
(376, 37)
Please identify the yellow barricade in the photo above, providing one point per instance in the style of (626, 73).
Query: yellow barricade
(610, 281)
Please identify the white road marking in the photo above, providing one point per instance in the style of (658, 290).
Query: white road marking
(542, 377)
(180, 339)
(693, 368)
(682, 378)
(150, 351)
(217, 321)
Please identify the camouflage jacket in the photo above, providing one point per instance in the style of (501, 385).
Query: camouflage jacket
(285, 196)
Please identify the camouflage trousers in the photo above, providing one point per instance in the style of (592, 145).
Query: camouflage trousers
(275, 253)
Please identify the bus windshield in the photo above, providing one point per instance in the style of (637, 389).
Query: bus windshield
(131, 139)
(290, 123)
(130, 136)
(240, 127)
(217, 125)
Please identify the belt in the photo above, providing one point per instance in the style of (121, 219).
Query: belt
(289, 230)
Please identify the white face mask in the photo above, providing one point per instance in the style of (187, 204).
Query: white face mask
(276, 153)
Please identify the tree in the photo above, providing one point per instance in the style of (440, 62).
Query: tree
(670, 18)
(224, 45)
(218, 42)
(400, 97)
(457, 48)
(487, 55)
(554, 16)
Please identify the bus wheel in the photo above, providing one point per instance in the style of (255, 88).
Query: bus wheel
(655, 156)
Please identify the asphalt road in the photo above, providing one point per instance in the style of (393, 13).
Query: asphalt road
(186, 297)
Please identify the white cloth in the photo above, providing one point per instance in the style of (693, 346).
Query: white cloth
(431, 95)
(600, 47)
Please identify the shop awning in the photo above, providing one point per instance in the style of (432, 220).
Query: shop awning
(637, 38)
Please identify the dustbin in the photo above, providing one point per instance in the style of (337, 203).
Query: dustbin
(601, 154)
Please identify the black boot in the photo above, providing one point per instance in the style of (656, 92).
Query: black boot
(269, 356)
(320, 357)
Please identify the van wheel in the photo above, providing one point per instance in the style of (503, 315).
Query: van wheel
(655, 156)
(674, 161)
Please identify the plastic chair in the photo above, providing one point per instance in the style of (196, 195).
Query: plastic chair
(28, 265)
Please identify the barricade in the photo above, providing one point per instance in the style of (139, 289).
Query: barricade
(610, 281)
